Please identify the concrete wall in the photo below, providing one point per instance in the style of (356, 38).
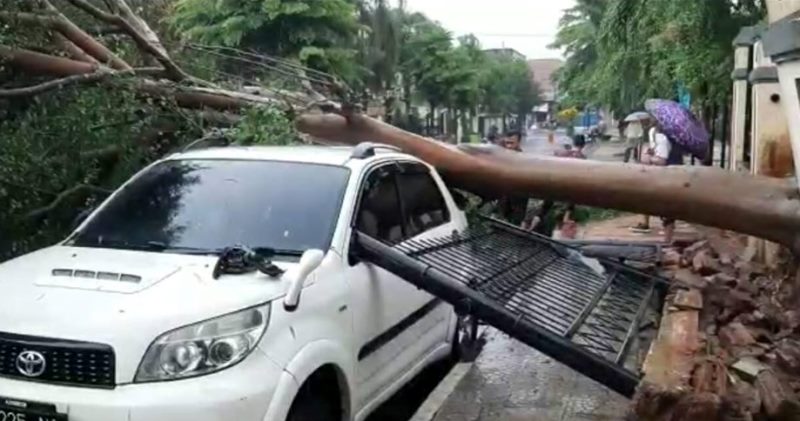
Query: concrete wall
(771, 149)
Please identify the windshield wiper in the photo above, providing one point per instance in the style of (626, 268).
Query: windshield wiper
(116, 243)
(269, 252)
(265, 252)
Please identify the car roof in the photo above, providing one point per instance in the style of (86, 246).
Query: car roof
(325, 155)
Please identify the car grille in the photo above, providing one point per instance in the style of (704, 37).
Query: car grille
(71, 363)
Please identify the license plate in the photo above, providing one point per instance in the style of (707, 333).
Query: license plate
(16, 410)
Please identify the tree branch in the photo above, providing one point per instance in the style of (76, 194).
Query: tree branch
(141, 34)
(44, 63)
(71, 32)
(184, 96)
(66, 194)
(113, 151)
(201, 98)
(86, 78)
(73, 50)
(140, 24)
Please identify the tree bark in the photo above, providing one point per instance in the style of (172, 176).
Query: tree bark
(44, 64)
(758, 206)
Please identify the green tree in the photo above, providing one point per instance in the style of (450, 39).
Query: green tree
(379, 48)
(621, 52)
(320, 33)
(507, 88)
(426, 54)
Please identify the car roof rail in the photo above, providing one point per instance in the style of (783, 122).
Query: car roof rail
(367, 149)
(217, 138)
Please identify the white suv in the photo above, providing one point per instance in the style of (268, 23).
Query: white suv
(151, 311)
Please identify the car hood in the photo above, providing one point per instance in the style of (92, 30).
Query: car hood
(56, 293)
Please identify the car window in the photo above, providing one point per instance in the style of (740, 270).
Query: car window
(379, 213)
(214, 204)
(422, 202)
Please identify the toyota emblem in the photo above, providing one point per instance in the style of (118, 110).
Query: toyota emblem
(31, 363)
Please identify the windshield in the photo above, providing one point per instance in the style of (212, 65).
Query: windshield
(208, 205)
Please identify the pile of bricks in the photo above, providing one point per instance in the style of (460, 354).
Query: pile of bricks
(729, 343)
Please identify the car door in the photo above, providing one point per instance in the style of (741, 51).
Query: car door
(379, 302)
(394, 323)
(425, 214)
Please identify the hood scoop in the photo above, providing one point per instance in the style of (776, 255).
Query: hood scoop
(109, 271)
(90, 274)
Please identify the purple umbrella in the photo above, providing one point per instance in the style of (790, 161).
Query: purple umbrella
(680, 126)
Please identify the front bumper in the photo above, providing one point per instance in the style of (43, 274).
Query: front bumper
(243, 392)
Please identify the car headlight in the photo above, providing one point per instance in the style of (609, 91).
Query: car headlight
(204, 347)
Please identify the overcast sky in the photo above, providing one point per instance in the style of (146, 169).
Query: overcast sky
(525, 25)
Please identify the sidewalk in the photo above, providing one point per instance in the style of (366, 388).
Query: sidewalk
(618, 229)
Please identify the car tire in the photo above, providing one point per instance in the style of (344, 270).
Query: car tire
(315, 402)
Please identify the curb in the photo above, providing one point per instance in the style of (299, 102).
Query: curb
(434, 402)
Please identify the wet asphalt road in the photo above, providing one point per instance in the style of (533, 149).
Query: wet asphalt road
(536, 142)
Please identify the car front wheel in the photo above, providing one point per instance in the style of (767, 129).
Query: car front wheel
(316, 401)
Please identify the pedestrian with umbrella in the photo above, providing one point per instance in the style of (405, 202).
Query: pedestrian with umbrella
(676, 131)
(635, 132)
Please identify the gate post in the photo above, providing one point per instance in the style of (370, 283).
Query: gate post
(743, 51)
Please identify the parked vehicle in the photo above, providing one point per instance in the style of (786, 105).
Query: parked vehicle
(218, 284)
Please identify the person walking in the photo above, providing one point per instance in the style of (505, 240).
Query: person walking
(662, 152)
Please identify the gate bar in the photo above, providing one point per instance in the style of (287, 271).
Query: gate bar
(465, 299)
(577, 323)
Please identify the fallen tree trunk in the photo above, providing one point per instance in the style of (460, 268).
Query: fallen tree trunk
(758, 206)
(71, 32)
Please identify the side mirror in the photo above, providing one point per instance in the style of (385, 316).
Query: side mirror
(310, 261)
(81, 217)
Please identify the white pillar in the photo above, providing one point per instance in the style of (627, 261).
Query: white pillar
(782, 43)
(779, 9)
(771, 149)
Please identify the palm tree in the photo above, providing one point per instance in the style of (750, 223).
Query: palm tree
(379, 49)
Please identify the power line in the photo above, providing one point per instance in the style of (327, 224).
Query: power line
(513, 35)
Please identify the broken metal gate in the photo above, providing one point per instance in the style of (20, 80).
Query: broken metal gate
(596, 316)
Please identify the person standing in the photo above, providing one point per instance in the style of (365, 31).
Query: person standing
(512, 207)
(493, 135)
(662, 152)
(568, 226)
